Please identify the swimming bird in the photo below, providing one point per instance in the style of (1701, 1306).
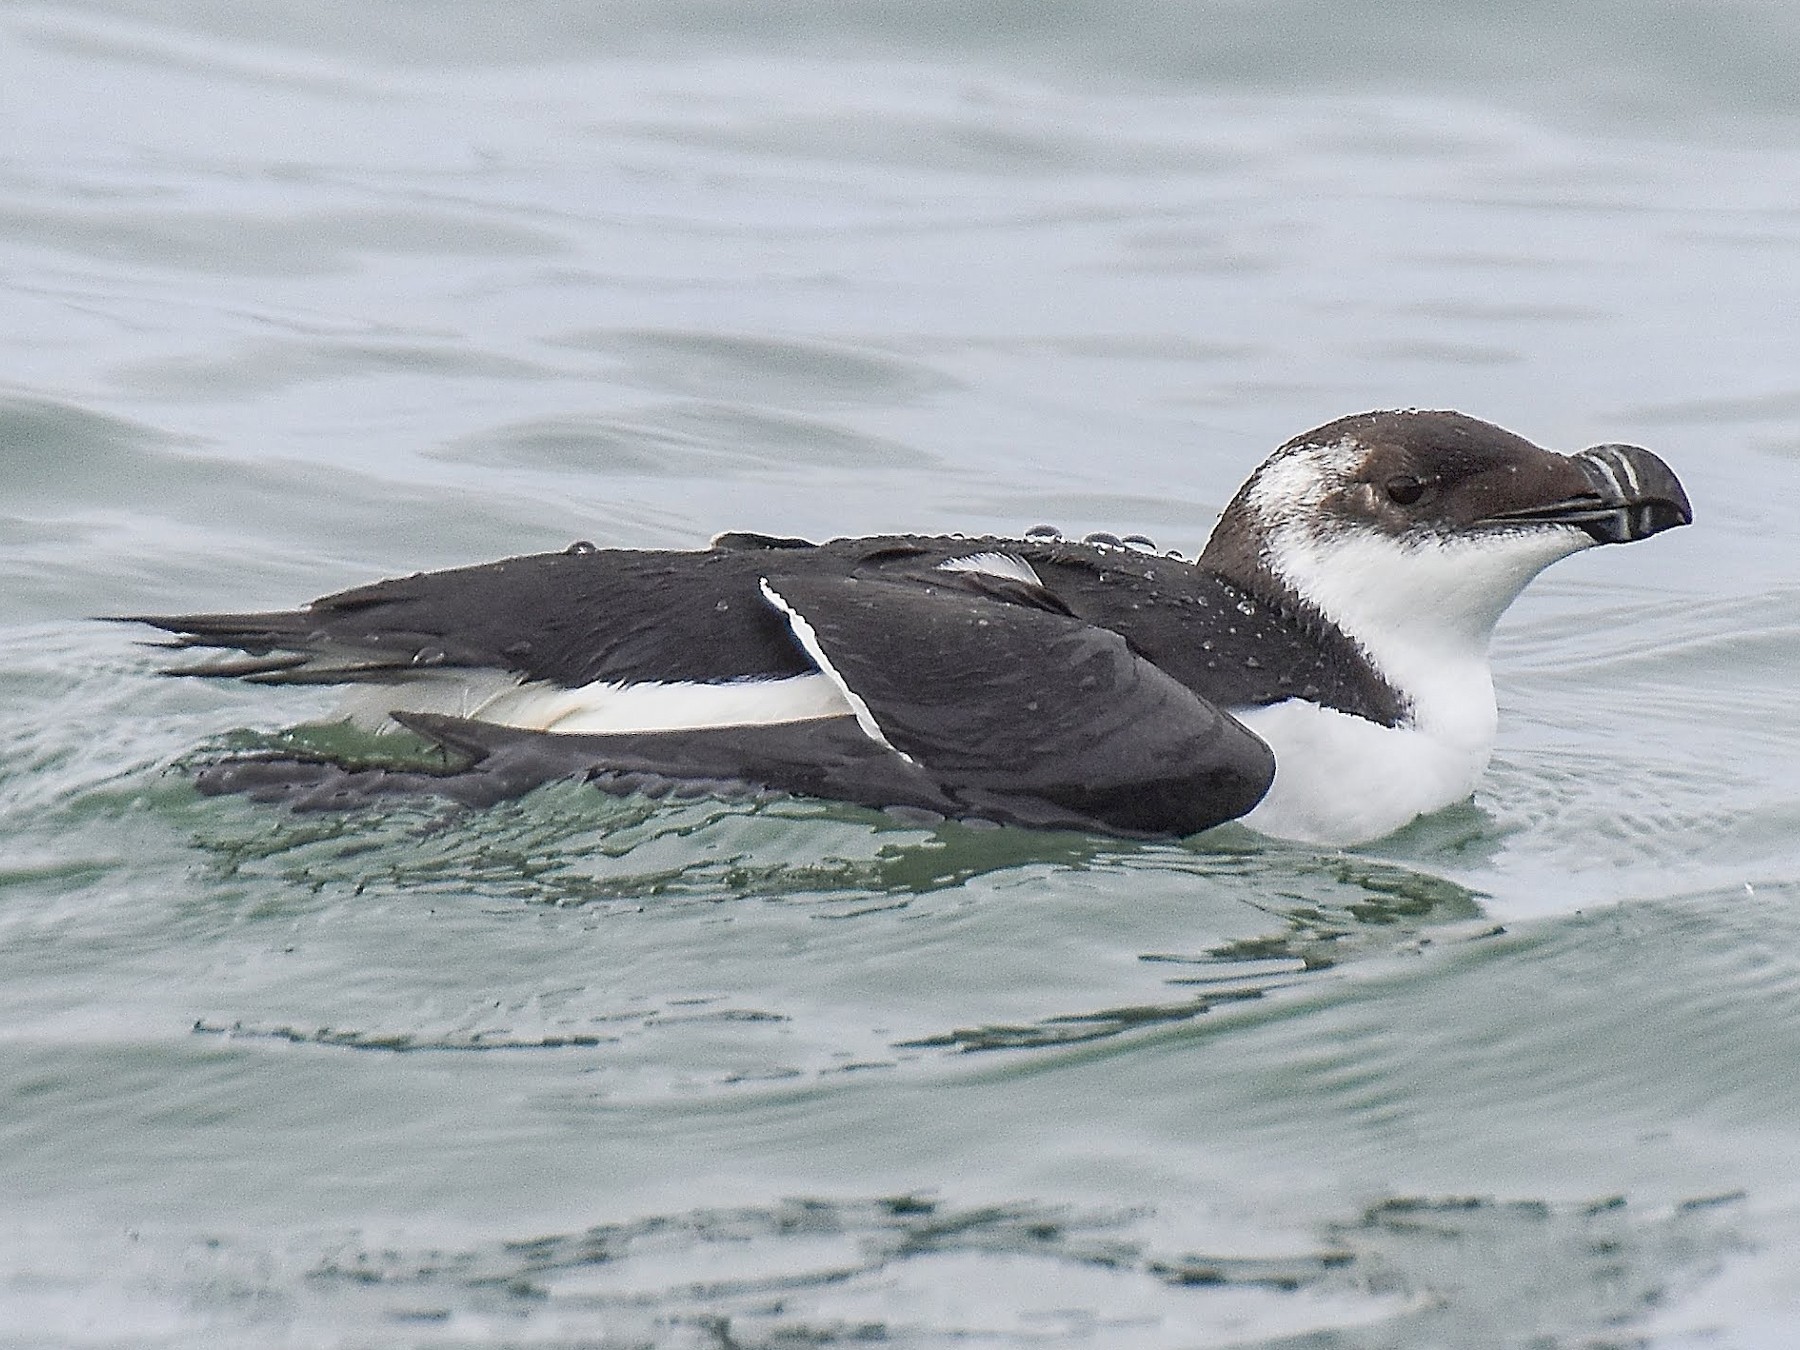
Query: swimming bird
(1320, 671)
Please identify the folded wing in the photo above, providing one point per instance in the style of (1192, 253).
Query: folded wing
(972, 694)
(1003, 703)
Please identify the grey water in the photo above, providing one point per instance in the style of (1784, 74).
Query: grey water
(297, 296)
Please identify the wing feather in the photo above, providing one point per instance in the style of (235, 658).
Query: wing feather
(1000, 701)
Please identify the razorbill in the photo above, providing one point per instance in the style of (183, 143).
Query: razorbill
(1321, 671)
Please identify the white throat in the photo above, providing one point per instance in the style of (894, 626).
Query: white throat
(1423, 612)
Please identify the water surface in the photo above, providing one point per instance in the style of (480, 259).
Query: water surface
(298, 296)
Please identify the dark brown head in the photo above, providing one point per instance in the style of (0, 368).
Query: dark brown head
(1430, 516)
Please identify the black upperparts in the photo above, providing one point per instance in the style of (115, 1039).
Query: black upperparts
(1236, 647)
(627, 615)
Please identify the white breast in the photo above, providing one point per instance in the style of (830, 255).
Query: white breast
(1345, 780)
(1341, 779)
(1422, 612)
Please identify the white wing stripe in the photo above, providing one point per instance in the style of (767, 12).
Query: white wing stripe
(809, 639)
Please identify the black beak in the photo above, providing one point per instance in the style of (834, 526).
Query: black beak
(1640, 495)
(1632, 496)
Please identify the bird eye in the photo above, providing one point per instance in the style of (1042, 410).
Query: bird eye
(1404, 490)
